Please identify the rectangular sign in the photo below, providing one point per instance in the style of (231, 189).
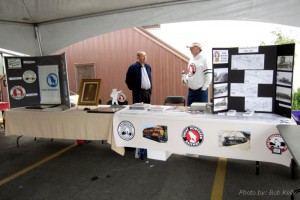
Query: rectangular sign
(49, 84)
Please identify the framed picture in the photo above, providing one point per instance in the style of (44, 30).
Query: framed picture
(89, 92)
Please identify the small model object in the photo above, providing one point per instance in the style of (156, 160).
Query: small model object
(114, 95)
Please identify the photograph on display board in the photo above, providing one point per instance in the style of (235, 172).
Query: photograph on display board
(220, 104)
(220, 75)
(262, 104)
(259, 76)
(221, 90)
(220, 56)
(284, 78)
(248, 61)
(283, 94)
(285, 63)
(158, 133)
(235, 140)
(89, 92)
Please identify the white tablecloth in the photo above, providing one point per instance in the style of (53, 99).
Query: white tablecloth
(72, 124)
(257, 134)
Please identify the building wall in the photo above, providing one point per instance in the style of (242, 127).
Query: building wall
(112, 54)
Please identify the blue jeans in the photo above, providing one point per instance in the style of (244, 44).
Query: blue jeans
(197, 96)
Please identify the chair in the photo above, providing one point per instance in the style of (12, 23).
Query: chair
(175, 100)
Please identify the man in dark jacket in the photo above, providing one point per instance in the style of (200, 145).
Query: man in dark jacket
(138, 79)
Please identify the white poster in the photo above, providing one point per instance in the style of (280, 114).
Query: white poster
(220, 56)
(248, 49)
(14, 63)
(263, 104)
(243, 90)
(259, 76)
(247, 61)
(49, 84)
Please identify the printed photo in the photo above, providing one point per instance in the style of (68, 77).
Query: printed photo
(220, 75)
(231, 139)
(89, 92)
(283, 94)
(285, 63)
(221, 90)
(220, 104)
(284, 78)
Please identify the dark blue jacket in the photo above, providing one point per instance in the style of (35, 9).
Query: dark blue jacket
(134, 77)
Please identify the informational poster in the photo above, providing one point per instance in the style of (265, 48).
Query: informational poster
(259, 76)
(263, 104)
(247, 61)
(220, 56)
(14, 63)
(243, 90)
(49, 84)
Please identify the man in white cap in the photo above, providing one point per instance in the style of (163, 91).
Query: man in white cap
(198, 76)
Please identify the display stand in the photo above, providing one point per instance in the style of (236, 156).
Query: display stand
(257, 78)
(37, 82)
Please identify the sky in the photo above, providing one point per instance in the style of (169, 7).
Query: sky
(214, 34)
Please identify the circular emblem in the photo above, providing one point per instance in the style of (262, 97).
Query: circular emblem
(29, 76)
(52, 80)
(121, 97)
(192, 136)
(126, 130)
(17, 92)
(191, 69)
(276, 144)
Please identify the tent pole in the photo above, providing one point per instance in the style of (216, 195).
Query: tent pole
(38, 38)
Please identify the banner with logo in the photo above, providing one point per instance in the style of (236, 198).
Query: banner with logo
(236, 137)
(49, 84)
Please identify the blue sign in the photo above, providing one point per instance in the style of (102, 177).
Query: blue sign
(52, 80)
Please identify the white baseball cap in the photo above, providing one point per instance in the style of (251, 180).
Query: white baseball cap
(194, 44)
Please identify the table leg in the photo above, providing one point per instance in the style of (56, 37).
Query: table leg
(18, 140)
(294, 169)
(257, 167)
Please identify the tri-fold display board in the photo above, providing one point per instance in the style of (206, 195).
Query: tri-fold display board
(35, 81)
(256, 78)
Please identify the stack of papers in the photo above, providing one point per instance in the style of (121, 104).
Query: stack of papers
(139, 106)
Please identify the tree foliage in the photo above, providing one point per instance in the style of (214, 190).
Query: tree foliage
(281, 38)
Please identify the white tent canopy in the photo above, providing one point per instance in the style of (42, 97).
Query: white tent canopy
(40, 27)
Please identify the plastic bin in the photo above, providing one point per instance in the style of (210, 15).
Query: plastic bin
(296, 116)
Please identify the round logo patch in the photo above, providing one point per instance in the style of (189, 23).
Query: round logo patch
(17, 92)
(29, 76)
(191, 69)
(121, 97)
(52, 80)
(192, 136)
(276, 144)
(126, 130)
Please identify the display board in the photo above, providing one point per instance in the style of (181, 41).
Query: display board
(256, 78)
(34, 81)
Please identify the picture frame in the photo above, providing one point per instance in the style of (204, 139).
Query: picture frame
(89, 92)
